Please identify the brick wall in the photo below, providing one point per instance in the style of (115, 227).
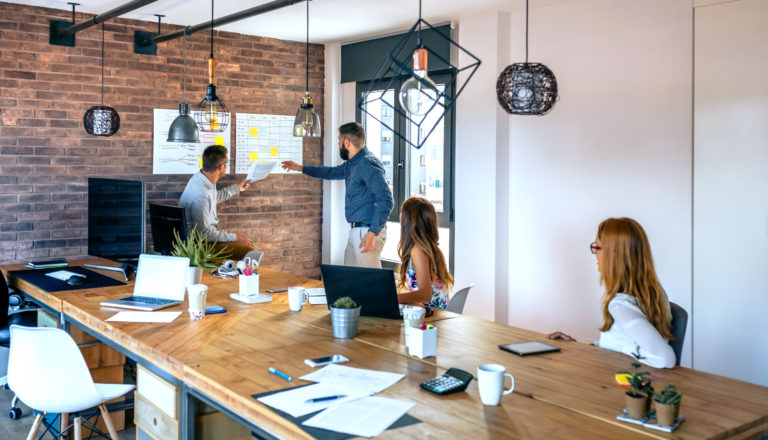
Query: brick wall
(46, 155)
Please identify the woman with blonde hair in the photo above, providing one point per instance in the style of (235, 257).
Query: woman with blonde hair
(636, 312)
(423, 270)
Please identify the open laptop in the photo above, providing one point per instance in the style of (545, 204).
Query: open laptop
(160, 283)
(373, 289)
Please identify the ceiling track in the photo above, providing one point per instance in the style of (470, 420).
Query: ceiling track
(62, 33)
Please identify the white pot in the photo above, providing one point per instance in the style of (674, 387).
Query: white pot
(194, 275)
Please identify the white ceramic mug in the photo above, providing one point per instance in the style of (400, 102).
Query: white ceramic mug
(297, 297)
(490, 382)
(197, 295)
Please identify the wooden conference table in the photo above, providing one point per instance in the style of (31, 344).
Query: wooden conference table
(223, 359)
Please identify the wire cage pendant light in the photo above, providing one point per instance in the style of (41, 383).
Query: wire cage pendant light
(184, 128)
(211, 114)
(101, 120)
(527, 88)
(307, 122)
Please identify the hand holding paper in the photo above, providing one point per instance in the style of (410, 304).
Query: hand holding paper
(259, 170)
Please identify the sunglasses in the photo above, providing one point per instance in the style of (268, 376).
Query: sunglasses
(594, 247)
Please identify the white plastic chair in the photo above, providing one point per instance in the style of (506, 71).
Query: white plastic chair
(48, 373)
(456, 303)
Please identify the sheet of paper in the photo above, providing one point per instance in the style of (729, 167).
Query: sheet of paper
(371, 381)
(63, 275)
(144, 316)
(294, 401)
(367, 417)
(259, 170)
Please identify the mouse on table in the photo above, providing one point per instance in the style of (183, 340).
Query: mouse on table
(76, 280)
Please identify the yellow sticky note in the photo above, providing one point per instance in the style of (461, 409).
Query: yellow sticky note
(254, 132)
(274, 151)
(201, 162)
(219, 140)
(253, 156)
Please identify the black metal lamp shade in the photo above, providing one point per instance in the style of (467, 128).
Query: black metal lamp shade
(183, 128)
(527, 89)
(101, 120)
(211, 114)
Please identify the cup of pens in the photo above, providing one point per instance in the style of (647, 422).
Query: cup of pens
(249, 279)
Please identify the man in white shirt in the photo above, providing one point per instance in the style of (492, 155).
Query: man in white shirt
(200, 198)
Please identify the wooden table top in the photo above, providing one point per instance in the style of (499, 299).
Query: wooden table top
(570, 394)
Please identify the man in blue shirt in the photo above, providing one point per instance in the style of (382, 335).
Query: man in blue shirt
(368, 199)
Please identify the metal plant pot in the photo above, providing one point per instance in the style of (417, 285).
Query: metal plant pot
(344, 322)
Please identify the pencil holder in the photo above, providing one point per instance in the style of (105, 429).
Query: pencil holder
(249, 285)
(421, 343)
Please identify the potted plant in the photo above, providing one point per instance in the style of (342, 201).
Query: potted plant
(200, 252)
(667, 405)
(345, 314)
(638, 399)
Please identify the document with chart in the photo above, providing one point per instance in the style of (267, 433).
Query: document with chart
(181, 157)
(265, 138)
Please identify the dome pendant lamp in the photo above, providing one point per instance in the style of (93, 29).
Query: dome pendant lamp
(101, 120)
(184, 128)
(527, 88)
(211, 114)
(307, 122)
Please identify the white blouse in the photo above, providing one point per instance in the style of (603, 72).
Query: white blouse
(631, 329)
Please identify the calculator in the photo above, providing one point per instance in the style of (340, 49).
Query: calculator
(453, 381)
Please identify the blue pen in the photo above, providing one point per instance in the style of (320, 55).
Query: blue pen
(280, 373)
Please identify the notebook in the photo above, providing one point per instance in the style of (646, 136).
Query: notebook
(160, 283)
(373, 289)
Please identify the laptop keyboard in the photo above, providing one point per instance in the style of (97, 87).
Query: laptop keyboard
(148, 300)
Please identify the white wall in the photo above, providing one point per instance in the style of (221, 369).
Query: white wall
(618, 143)
(731, 190)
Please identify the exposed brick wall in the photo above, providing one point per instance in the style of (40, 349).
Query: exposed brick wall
(46, 155)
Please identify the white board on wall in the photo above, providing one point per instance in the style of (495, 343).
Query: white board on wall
(266, 138)
(181, 157)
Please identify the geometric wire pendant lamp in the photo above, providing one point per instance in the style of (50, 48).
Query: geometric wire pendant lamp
(421, 105)
(101, 120)
(527, 88)
(211, 114)
(184, 128)
(307, 122)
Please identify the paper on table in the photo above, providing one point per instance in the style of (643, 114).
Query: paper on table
(63, 275)
(367, 417)
(259, 170)
(294, 403)
(144, 316)
(371, 381)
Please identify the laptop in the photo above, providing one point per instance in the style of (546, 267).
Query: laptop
(373, 289)
(160, 283)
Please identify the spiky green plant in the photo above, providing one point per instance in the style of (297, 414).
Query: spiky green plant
(197, 248)
(669, 395)
(345, 303)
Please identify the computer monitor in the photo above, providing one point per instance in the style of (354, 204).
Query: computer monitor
(163, 220)
(117, 222)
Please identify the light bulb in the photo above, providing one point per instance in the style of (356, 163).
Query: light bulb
(419, 93)
(212, 115)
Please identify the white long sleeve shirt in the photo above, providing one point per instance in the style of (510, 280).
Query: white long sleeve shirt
(200, 198)
(631, 329)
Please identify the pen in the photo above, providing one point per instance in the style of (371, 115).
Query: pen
(280, 373)
(324, 399)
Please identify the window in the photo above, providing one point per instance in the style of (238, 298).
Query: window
(426, 172)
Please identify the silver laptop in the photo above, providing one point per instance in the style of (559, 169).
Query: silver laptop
(160, 283)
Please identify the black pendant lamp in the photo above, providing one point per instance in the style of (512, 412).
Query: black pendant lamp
(307, 122)
(211, 114)
(527, 88)
(184, 128)
(101, 120)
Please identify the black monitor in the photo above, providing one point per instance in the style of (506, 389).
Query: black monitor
(116, 218)
(163, 220)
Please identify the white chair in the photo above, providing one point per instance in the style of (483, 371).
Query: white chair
(48, 373)
(456, 303)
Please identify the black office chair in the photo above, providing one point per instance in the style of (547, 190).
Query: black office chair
(679, 323)
(163, 220)
(25, 315)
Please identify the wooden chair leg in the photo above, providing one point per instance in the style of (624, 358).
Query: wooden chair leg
(64, 422)
(35, 426)
(78, 430)
(108, 421)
